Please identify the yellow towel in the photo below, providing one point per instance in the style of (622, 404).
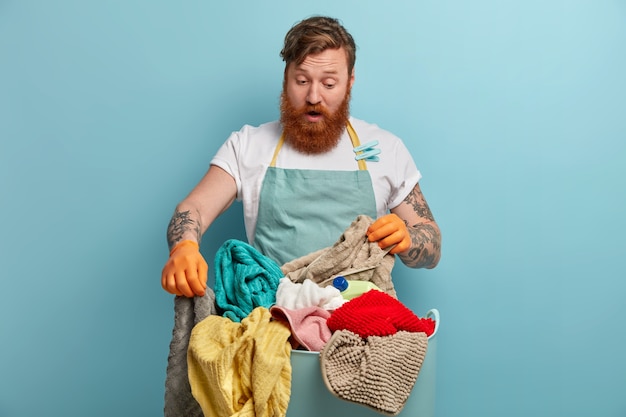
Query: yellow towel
(241, 369)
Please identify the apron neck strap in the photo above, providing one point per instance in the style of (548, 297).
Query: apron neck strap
(355, 144)
(354, 138)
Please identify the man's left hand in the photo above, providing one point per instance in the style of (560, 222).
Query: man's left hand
(390, 230)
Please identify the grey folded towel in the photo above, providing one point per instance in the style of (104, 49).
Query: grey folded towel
(187, 312)
(352, 256)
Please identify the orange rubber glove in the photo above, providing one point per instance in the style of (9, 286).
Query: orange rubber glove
(185, 272)
(390, 230)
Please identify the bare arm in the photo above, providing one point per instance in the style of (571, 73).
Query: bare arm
(215, 192)
(425, 250)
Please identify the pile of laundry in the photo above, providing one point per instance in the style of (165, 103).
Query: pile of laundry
(237, 340)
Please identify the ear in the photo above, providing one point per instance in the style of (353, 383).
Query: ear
(351, 80)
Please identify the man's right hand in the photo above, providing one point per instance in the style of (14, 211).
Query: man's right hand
(185, 272)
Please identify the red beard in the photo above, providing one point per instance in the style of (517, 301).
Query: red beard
(308, 137)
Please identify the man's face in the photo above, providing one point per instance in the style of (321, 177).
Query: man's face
(321, 79)
(315, 99)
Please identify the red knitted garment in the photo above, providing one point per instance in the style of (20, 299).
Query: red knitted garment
(376, 313)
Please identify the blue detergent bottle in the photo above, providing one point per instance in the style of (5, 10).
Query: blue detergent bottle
(351, 288)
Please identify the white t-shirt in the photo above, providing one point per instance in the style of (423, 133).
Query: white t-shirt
(246, 155)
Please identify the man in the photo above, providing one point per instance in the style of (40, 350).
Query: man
(319, 178)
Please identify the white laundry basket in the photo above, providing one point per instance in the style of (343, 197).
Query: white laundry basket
(311, 398)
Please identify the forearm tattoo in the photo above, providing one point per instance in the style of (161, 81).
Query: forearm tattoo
(425, 237)
(425, 246)
(181, 223)
(416, 200)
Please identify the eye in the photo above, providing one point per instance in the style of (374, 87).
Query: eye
(330, 83)
(301, 81)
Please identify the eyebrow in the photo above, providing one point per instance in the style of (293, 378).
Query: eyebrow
(329, 72)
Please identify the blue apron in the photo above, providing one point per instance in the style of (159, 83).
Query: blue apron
(304, 210)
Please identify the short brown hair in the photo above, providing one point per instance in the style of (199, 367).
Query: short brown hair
(314, 35)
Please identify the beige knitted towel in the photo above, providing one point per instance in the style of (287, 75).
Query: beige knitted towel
(378, 372)
(352, 256)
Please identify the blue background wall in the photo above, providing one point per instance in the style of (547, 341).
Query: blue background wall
(514, 111)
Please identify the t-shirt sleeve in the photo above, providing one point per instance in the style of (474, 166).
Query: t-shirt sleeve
(227, 158)
(406, 173)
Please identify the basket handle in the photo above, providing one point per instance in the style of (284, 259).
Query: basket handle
(433, 313)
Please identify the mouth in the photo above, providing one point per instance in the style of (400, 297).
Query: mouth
(314, 116)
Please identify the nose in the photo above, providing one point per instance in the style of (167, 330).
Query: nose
(313, 95)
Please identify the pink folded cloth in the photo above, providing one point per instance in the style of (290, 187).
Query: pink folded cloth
(308, 325)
